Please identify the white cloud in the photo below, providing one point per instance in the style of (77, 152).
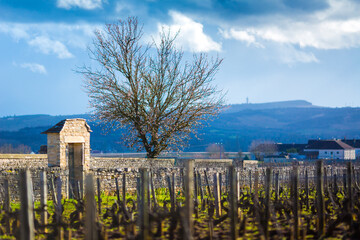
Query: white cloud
(191, 35)
(330, 34)
(34, 67)
(337, 27)
(62, 36)
(47, 46)
(17, 33)
(85, 4)
(290, 55)
(243, 36)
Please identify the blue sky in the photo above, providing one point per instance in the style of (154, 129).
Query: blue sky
(273, 50)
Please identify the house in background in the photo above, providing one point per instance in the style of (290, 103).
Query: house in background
(331, 149)
(355, 143)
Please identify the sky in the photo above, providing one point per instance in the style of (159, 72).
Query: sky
(273, 50)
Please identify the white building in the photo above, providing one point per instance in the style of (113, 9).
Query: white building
(331, 149)
(355, 143)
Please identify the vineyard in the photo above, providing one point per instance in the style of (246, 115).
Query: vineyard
(313, 201)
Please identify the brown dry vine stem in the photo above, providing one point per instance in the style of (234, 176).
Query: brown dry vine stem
(150, 90)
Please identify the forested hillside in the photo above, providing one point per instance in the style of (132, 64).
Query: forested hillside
(235, 128)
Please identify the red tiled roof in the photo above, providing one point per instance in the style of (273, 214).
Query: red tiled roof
(355, 143)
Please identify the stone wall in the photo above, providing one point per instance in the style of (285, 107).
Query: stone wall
(12, 174)
(16, 161)
(106, 177)
(115, 163)
(41, 161)
(106, 169)
(206, 163)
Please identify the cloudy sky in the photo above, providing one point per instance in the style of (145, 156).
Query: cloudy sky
(273, 50)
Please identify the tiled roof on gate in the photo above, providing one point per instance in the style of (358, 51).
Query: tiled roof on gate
(57, 128)
(327, 144)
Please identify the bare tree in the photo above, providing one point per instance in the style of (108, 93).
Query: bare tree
(216, 151)
(262, 148)
(149, 90)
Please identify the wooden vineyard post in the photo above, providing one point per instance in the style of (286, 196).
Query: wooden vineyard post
(233, 210)
(201, 190)
(350, 186)
(43, 199)
(58, 207)
(277, 187)
(124, 189)
(68, 194)
(7, 204)
(153, 190)
(99, 195)
(267, 201)
(250, 182)
(143, 206)
(295, 201)
(117, 190)
(90, 209)
(182, 179)
(80, 189)
(196, 192)
(173, 181)
(325, 179)
(320, 198)
(171, 190)
(148, 191)
(220, 183)
(238, 186)
(53, 190)
(335, 185)
(26, 210)
(189, 202)
(256, 186)
(227, 180)
(217, 195)
(207, 184)
(307, 189)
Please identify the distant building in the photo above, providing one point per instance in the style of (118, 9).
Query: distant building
(355, 143)
(290, 148)
(330, 149)
(43, 149)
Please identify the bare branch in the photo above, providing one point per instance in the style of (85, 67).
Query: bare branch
(151, 92)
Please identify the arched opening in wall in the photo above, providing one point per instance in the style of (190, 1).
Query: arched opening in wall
(75, 163)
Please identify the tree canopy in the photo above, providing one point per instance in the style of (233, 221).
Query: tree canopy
(149, 89)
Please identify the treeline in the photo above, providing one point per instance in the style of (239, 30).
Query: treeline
(234, 131)
(20, 149)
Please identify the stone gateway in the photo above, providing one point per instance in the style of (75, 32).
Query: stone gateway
(68, 144)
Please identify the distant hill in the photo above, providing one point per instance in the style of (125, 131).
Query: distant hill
(271, 105)
(236, 127)
(15, 123)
